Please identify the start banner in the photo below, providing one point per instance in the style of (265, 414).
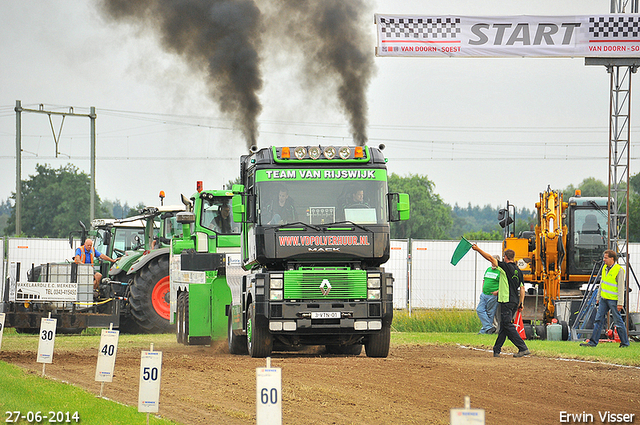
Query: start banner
(508, 36)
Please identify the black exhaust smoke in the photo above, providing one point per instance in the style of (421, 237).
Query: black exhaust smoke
(221, 37)
(337, 47)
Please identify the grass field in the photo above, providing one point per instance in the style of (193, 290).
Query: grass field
(29, 392)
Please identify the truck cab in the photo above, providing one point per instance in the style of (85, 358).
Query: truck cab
(315, 232)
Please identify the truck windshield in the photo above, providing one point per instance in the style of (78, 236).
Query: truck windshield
(321, 202)
(216, 215)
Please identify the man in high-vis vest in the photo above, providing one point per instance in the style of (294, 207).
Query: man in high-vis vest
(86, 254)
(610, 298)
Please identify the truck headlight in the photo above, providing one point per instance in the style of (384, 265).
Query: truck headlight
(373, 294)
(276, 296)
(276, 283)
(373, 280)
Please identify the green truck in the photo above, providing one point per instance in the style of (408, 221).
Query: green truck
(315, 232)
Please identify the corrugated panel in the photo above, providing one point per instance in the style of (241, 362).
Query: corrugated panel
(36, 251)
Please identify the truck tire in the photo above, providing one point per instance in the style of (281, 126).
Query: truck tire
(237, 343)
(259, 341)
(180, 330)
(377, 345)
(149, 297)
(183, 324)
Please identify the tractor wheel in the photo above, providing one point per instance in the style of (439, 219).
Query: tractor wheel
(129, 326)
(377, 345)
(351, 350)
(237, 343)
(149, 296)
(259, 341)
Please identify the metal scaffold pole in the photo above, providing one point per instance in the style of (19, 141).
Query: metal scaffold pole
(620, 71)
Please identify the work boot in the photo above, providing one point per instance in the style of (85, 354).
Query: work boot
(623, 346)
(587, 343)
(522, 353)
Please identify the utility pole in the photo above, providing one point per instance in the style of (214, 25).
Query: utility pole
(19, 109)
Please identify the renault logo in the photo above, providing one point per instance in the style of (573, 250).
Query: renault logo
(325, 287)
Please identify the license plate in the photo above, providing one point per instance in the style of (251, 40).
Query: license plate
(325, 315)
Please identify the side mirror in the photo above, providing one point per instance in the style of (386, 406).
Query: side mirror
(504, 219)
(398, 206)
(237, 206)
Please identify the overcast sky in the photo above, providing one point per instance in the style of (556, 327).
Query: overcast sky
(483, 130)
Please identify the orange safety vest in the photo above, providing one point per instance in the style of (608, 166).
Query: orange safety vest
(83, 255)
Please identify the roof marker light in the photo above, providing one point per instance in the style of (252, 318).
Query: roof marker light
(314, 152)
(330, 152)
(344, 152)
(300, 152)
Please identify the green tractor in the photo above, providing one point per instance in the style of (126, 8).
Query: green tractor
(201, 263)
(141, 275)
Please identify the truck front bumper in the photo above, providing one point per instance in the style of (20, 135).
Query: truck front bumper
(328, 317)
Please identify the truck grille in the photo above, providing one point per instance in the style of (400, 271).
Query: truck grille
(305, 284)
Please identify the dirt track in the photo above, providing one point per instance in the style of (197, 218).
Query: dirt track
(414, 385)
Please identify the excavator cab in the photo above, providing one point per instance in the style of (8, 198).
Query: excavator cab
(588, 232)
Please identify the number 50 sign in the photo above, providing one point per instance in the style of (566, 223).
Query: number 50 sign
(268, 396)
(150, 373)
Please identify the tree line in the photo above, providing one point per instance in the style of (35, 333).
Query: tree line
(54, 200)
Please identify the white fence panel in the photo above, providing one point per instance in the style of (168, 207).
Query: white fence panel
(435, 283)
(36, 251)
(398, 265)
(634, 261)
(2, 281)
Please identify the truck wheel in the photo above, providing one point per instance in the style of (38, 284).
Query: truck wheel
(377, 345)
(237, 343)
(259, 342)
(184, 324)
(179, 318)
(149, 296)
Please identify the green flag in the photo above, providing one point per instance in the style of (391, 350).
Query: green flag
(463, 247)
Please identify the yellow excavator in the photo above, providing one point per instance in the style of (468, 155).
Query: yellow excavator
(561, 253)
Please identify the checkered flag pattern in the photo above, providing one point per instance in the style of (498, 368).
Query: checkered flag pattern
(419, 28)
(614, 26)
